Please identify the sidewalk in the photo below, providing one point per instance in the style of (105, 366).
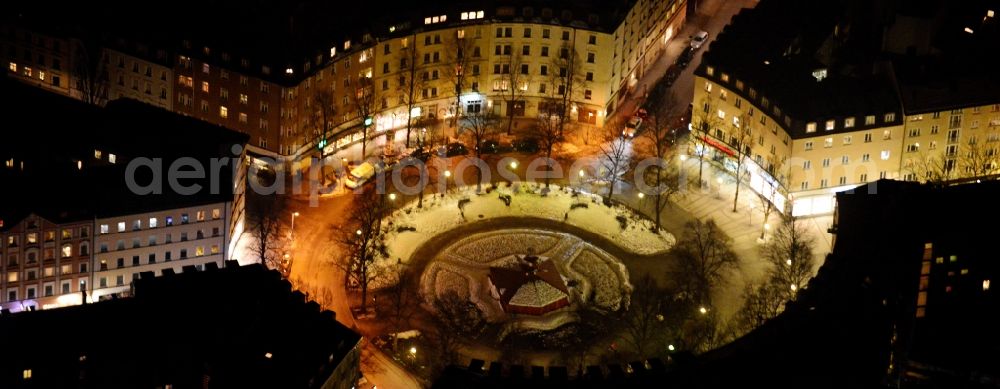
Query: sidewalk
(743, 227)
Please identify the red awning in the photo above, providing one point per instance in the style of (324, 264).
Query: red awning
(718, 145)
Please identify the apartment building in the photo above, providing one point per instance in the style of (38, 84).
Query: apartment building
(40, 57)
(579, 58)
(812, 123)
(46, 260)
(62, 245)
(140, 72)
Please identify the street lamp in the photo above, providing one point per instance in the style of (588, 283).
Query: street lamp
(413, 351)
(392, 196)
(641, 195)
(670, 347)
(703, 310)
(684, 158)
(291, 232)
(582, 173)
(447, 176)
(358, 232)
(513, 164)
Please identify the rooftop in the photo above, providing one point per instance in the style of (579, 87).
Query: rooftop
(60, 150)
(237, 327)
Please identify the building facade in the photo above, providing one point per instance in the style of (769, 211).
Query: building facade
(812, 121)
(518, 62)
(42, 60)
(151, 242)
(138, 72)
(45, 263)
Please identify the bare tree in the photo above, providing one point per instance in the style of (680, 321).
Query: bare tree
(403, 298)
(616, 156)
(934, 169)
(789, 251)
(90, 62)
(479, 127)
(264, 214)
(411, 83)
(765, 200)
(546, 130)
(459, 58)
(643, 324)
(742, 139)
(365, 104)
(761, 302)
(704, 253)
(978, 160)
(362, 237)
(323, 111)
(664, 176)
(703, 120)
(568, 79)
(513, 82)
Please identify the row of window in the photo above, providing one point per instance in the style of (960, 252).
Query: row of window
(50, 236)
(152, 241)
(26, 71)
(199, 251)
(825, 183)
(65, 287)
(846, 160)
(32, 274)
(508, 32)
(200, 216)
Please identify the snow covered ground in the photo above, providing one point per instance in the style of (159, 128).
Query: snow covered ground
(463, 268)
(439, 215)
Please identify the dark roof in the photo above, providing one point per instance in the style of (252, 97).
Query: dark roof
(509, 281)
(775, 47)
(280, 33)
(176, 330)
(51, 133)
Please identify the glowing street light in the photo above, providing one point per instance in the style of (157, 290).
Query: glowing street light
(703, 310)
(413, 351)
(684, 158)
(358, 232)
(392, 196)
(447, 173)
(795, 287)
(641, 195)
(513, 164)
(582, 173)
(719, 180)
(670, 347)
(788, 262)
(291, 232)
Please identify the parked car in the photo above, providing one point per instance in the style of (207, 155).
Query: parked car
(632, 127)
(491, 146)
(453, 149)
(526, 145)
(360, 174)
(699, 39)
(685, 58)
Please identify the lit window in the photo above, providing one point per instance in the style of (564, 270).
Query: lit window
(986, 285)
(223, 112)
(200, 215)
(199, 251)
(121, 226)
(152, 222)
(216, 213)
(12, 277)
(810, 127)
(885, 155)
(479, 15)
(26, 374)
(215, 249)
(722, 114)
(97, 154)
(32, 238)
(830, 125)
(67, 251)
(204, 86)
(41, 75)
(869, 120)
(104, 229)
(112, 158)
(849, 122)
(67, 233)
(12, 67)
